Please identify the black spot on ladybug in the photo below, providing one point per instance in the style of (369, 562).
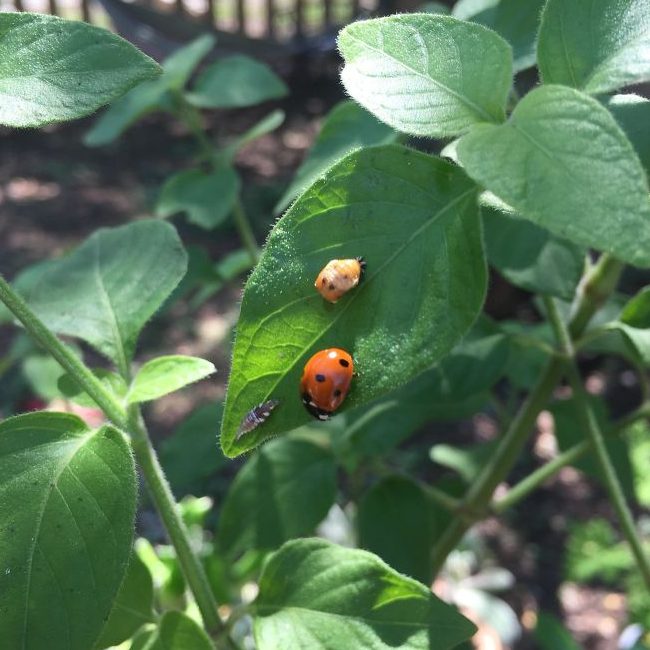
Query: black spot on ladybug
(337, 393)
(320, 378)
(344, 363)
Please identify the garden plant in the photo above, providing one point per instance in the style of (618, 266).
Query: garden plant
(544, 181)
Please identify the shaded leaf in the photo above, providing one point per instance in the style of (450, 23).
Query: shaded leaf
(71, 390)
(133, 606)
(165, 375)
(550, 634)
(67, 507)
(392, 523)
(468, 461)
(178, 632)
(75, 69)
(234, 82)
(426, 74)
(595, 45)
(128, 270)
(414, 219)
(346, 127)
(563, 162)
(206, 197)
(530, 257)
(285, 490)
(300, 590)
(633, 115)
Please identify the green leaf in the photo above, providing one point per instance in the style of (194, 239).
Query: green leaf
(149, 96)
(427, 74)
(563, 162)
(633, 115)
(414, 218)
(530, 257)
(346, 127)
(267, 124)
(638, 437)
(595, 45)
(42, 373)
(569, 433)
(234, 82)
(128, 270)
(178, 632)
(67, 506)
(191, 455)
(301, 590)
(284, 491)
(73, 70)
(516, 21)
(467, 461)
(133, 606)
(550, 634)
(455, 387)
(111, 380)
(165, 375)
(634, 325)
(392, 523)
(206, 197)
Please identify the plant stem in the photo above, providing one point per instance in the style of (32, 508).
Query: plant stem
(595, 437)
(245, 231)
(568, 457)
(171, 517)
(143, 449)
(63, 354)
(594, 289)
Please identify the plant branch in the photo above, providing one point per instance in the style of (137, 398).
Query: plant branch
(245, 231)
(143, 449)
(597, 442)
(568, 457)
(594, 289)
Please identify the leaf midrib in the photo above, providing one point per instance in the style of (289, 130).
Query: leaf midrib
(464, 100)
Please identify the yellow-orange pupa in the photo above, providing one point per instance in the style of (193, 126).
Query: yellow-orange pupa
(338, 277)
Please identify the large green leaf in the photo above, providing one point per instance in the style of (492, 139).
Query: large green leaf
(427, 74)
(107, 289)
(234, 82)
(595, 45)
(67, 506)
(284, 491)
(414, 219)
(165, 375)
(206, 197)
(133, 606)
(516, 21)
(392, 523)
(346, 127)
(563, 162)
(529, 256)
(151, 95)
(455, 387)
(550, 634)
(634, 324)
(53, 70)
(178, 631)
(316, 595)
(633, 115)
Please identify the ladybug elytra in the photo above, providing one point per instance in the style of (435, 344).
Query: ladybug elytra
(325, 381)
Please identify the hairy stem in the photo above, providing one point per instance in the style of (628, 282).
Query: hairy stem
(143, 449)
(596, 439)
(245, 231)
(594, 289)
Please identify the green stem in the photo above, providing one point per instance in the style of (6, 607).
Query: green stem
(143, 449)
(596, 286)
(171, 517)
(590, 424)
(520, 491)
(245, 231)
(63, 354)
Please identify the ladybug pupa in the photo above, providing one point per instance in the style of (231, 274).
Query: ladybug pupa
(338, 277)
(326, 381)
(255, 417)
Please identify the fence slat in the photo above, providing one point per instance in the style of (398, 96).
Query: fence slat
(327, 7)
(85, 11)
(270, 18)
(52, 8)
(241, 16)
(300, 17)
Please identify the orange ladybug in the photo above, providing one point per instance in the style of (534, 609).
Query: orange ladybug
(339, 276)
(325, 381)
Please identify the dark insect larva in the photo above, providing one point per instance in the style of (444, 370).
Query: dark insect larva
(255, 417)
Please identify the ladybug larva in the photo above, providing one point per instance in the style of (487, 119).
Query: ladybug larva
(255, 417)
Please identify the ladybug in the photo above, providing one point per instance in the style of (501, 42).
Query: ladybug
(339, 276)
(325, 382)
(255, 417)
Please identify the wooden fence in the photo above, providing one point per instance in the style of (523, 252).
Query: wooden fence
(275, 19)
